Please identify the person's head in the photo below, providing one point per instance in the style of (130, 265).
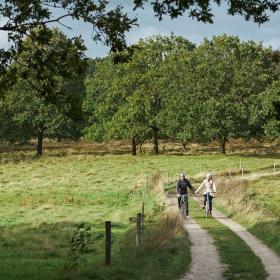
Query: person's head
(209, 176)
(183, 176)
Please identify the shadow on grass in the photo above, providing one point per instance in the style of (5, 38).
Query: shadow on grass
(41, 252)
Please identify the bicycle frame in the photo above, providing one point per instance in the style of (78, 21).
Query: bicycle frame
(207, 206)
(184, 205)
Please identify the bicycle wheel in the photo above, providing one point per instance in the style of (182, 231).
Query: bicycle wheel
(183, 209)
(207, 208)
(187, 207)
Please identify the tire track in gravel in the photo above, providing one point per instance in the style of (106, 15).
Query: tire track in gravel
(270, 259)
(205, 257)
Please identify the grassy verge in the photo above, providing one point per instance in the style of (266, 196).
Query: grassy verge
(241, 263)
(255, 204)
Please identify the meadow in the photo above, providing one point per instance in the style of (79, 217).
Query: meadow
(254, 203)
(45, 200)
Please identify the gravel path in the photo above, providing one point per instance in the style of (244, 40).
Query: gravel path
(271, 260)
(205, 258)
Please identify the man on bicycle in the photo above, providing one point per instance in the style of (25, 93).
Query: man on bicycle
(182, 188)
(209, 188)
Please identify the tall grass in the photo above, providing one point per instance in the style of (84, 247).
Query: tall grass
(253, 202)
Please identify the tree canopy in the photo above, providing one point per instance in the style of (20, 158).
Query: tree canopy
(46, 97)
(170, 89)
(110, 23)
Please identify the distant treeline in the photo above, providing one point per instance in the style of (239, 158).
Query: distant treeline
(160, 88)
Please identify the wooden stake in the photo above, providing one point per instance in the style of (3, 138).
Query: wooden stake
(108, 243)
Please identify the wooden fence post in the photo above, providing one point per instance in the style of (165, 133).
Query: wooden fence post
(108, 243)
(242, 171)
(138, 230)
(274, 168)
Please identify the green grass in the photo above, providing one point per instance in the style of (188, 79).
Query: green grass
(44, 199)
(241, 262)
(257, 207)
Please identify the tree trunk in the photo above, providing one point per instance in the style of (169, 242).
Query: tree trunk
(184, 145)
(223, 145)
(140, 148)
(133, 147)
(155, 141)
(40, 143)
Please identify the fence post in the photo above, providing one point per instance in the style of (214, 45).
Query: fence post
(138, 230)
(108, 243)
(242, 171)
(142, 216)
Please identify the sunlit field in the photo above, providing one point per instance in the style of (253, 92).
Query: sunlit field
(44, 200)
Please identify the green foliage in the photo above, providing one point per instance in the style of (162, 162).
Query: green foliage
(125, 101)
(22, 18)
(81, 242)
(46, 100)
(223, 78)
(271, 110)
(201, 10)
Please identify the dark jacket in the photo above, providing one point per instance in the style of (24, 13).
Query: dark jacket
(183, 185)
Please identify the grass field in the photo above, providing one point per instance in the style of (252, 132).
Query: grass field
(43, 200)
(255, 203)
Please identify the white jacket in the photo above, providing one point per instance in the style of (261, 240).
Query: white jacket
(209, 186)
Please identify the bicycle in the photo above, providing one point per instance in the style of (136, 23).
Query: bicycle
(207, 206)
(184, 203)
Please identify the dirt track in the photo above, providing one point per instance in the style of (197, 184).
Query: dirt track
(270, 260)
(205, 258)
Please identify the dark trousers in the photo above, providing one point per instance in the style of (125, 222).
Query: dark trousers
(210, 201)
(179, 204)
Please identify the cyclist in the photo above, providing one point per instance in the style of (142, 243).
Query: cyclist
(182, 188)
(209, 188)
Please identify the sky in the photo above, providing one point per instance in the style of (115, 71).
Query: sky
(268, 33)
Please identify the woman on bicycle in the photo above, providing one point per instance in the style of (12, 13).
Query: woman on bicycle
(209, 189)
